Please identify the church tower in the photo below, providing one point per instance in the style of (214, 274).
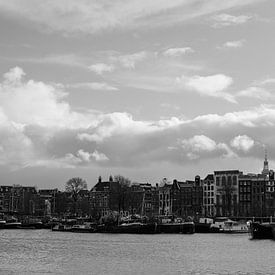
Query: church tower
(265, 171)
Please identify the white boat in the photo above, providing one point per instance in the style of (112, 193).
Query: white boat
(235, 227)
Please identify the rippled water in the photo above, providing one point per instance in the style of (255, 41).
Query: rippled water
(43, 252)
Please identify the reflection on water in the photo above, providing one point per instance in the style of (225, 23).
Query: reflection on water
(44, 252)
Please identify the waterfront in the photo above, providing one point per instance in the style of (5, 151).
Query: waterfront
(47, 252)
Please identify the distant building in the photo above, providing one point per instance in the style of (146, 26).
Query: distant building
(105, 197)
(265, 171)
(165, 200)
(227, 192)
(209, 196)
(181, 199)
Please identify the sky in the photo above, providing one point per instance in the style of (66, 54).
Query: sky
(146, 89)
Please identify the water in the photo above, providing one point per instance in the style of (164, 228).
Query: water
(46, 252)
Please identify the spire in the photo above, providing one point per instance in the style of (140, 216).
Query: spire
(265, 169)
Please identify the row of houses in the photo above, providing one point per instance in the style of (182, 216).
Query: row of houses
(221, 193)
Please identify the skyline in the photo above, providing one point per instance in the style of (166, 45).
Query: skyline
(147, 89)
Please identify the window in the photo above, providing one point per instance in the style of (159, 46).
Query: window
(223, 180)
(234, 180)
(218, 181)
(229, 180)
(218, 199)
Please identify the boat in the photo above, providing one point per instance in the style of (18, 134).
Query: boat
(2, 224)
(12, 224)
(32, 223)
(235, 227)
(62, 227)
(128, 228)
(182, 227)
(218, 224)
(171, 224)
(203, 225)
(262, 230)
(84, 228)
(136, 228)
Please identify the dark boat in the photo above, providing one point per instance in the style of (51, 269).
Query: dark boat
(84, 228)
(31, 223)
(2, 224)
(262, 230)
(129, 228)
(12, 225)
(202, 227)
(183, 227)
(136, 228)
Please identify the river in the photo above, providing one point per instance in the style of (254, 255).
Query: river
(47, 252)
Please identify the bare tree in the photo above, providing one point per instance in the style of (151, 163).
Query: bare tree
(74, 186)
(123, 186)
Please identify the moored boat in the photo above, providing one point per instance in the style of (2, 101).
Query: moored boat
(235, 227)
(84, 228)
(62, 227)
(136, 228)
(203, 225)
(262, 230)
(182, 227)
(12, 225)
(2, 224)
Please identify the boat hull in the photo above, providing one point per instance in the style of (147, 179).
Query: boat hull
(129, 229)
(262, 230)
(184, 228)
(202, 227)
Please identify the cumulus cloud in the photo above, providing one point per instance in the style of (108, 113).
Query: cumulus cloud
(99, 156)
(225, 20)
(201, 145)
(38, 127)
(243, 143)
(100, 68)
(178, 51)
(212, 85)
(14, 75)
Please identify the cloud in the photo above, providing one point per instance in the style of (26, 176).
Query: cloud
(199, 145)
(243, 143)
(130, 60)
(178, 51)
(267, 81)
(92, 86)
(38, 127)
(14, 75)
(225, 20)
(259, 93)
(99, 156)
(101, 68)
(70, 17)
(212, 85)
(233, 44)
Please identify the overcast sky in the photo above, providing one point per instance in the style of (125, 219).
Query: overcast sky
(146, 89)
